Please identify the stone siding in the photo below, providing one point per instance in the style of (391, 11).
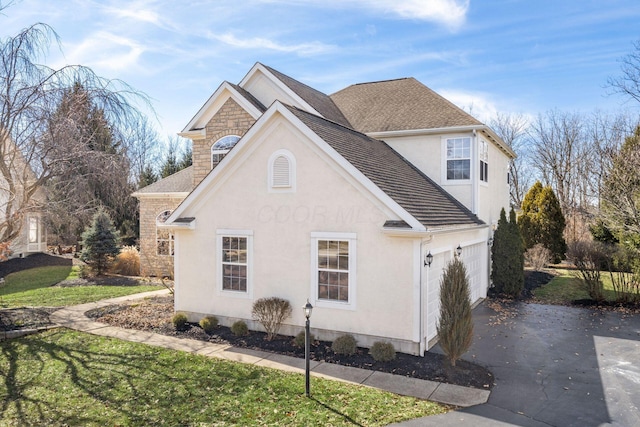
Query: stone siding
(231, 119)
(152, 264)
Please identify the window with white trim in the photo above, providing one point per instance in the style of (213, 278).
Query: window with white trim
(164, 237)
(483, 153)
(34, 229)
(458, 158)
(234, 261)
(221, 148)
(334, 260)
(282, 171)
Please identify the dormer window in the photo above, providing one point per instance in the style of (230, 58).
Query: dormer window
(282, 172)
(221, 148)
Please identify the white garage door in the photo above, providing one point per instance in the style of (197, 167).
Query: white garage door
(474, 259)
(433, 293)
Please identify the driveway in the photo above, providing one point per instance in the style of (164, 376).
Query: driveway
(553, 366)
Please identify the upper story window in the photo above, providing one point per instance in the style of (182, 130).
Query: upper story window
(483, 153)
(221, 148)
(282, 172)
(164, 237)
(458, 158)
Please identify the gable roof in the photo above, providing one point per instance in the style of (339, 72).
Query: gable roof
(319, 101)
(401, 104)
(420, 196)
(180, 182)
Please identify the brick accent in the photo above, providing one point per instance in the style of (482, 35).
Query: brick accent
(231, 119)
(152, 264)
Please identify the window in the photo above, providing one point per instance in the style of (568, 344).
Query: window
(458, 158)
(484, 161)
(221, 148)
(334, 256)
(282, 172)
(234, 261)
(34, 230)
(164, 237)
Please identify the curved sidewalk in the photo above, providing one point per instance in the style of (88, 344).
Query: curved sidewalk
(73, 317)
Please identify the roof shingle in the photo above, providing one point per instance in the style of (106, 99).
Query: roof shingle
(401, 104)
(179, 182)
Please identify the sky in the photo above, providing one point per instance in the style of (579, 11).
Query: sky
(487, 56)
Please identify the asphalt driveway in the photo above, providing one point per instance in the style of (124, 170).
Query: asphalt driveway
(553, 366)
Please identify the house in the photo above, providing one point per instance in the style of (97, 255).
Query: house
(20, 203)
(355, 201)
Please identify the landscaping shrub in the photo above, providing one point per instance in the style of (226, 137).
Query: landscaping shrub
(270, 312)
(239, 328)
(382, 351)
(298, 341)
(538, 257)
(209, 324)
(180, 321)
(588, 257)
(345, 344)
(455, 326)
(507, 269)
(100, 243)
(127, 262)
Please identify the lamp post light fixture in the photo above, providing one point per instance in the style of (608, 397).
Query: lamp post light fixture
(307, 309)
(458, 251)
(428, 259)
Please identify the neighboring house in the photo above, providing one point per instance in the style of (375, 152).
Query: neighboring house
(15, 203)
(337, 199)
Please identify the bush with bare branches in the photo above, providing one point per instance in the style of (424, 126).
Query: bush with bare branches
(271, 312)
(537, 257)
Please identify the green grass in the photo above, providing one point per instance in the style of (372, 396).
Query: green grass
(34, 288)
(71, 378)
(566, 287)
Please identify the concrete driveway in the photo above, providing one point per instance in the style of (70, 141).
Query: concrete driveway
(553, 366)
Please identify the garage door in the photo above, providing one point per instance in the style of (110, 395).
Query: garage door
(433, 293)
(474, 261)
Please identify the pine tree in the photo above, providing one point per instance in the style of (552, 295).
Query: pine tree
(147, 177)
(455, 327)
(507, 254)
(542, 221)
(100, 243)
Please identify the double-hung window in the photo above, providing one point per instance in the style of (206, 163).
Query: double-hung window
(458, 158)
(164, 237)
(333, 275)
(235, 249)
(484, 160)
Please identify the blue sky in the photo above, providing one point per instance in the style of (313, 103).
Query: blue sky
(525, 56)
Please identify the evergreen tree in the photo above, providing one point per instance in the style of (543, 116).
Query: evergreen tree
(455, 327)
(187, 159)
(507, 254)
(147, 177)
(542, 221)
(171, 164)
(100, 243)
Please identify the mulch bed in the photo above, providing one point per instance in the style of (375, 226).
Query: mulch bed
(33, 261)
(154, 315)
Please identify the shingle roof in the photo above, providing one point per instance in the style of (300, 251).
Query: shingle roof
(179, 182)
(321, 102)
(392, 173)
(400, 104)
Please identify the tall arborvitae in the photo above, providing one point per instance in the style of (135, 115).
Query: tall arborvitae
(455, 326)
(507, 254)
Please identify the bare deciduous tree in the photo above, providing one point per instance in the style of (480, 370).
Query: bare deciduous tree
(629, 82)
(512, 129)
(36, 143)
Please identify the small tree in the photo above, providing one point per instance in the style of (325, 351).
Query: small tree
(100, 243)
(271, 312)
(507, 253)
(455, 327)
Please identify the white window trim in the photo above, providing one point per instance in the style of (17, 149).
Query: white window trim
(34, 246)
(248, 234)
(291, 188)
(444, 159)
(482, 142)
(217, 151)
(170, 239)
(351, 238)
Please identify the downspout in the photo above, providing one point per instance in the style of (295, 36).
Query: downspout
(474, 174)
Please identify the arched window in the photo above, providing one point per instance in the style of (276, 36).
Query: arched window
(221, 148)
(282, 172)
(164, 237)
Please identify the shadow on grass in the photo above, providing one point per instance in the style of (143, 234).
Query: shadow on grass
(337, 412)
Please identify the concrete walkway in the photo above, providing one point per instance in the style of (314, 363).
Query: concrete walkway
(73, 318)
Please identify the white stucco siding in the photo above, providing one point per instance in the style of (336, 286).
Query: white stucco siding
(325, 200)
(494, 195)
(424, 151)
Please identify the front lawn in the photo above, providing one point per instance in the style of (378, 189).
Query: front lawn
(72, 378)
(35, 288)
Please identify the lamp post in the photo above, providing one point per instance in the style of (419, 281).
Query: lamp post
(459, 250)
(307, 309)
(428, 259)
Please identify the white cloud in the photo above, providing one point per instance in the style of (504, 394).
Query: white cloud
(450, 13)
(477, 104)
(106, 51)
(303, 49)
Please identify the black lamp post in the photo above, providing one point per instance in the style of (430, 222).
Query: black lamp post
(308, 308)
(428, 259)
